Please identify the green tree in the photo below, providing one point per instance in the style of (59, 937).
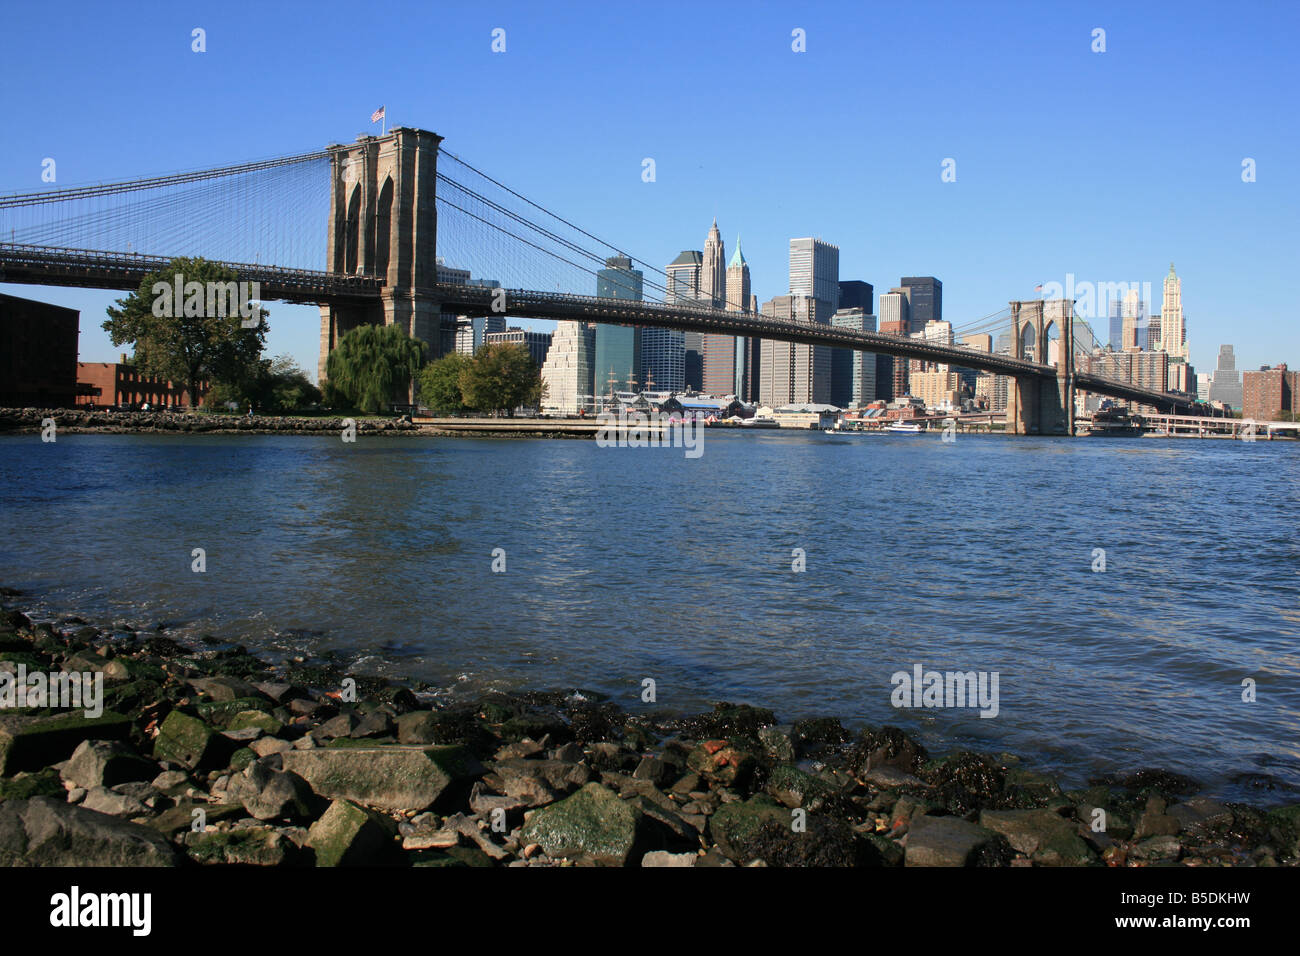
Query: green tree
(440, 383)
(501, 377)
(191, 337)
(371, 364)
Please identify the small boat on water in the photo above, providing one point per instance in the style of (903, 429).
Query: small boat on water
(905, 428)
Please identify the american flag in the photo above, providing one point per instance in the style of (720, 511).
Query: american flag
(377, 115)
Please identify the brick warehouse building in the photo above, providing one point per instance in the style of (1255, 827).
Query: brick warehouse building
(38, 354)
(1268, 391)
(119, 383)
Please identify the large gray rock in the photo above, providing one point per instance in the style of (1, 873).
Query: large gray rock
(390, 778)
(44, 831)
(106, 763)
(1043, 835)
(945, 841)
(268, 794)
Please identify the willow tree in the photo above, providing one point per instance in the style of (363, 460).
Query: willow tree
(191, 321)
(372, 363)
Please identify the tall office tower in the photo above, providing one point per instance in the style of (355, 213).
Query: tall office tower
(1151, 343)
(856, 294)
(684, 278)
(853, 374)
(663, 360)
(1225, 383)
(895, 319)
(724, 355)
(794, 374)
(1173, 328)
(924, 298)
(815, 271)
(684, 289)
(713, 280)
(1116, 316)
(618, 347)
(1203, 382)
(567, 372)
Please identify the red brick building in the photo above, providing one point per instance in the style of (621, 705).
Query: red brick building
(38, 354)
(120, 383)
(1268, 391)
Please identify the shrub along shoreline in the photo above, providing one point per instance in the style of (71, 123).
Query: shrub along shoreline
(206, 756)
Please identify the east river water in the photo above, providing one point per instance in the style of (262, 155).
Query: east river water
(625, 564)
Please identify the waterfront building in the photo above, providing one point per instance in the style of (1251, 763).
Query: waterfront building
(938, 390)
(853, 374)
(806, 415)
(568, 370)
(38, 354)
(1269, 391)
(1225, 382)
(121, 383)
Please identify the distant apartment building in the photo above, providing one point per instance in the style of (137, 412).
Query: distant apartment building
(1269, 391)
(568, 372)
(537, 343)
(38, 354)
(1147, 370)
(856, 294)
(991, 390)
(793, 373)
(938, 390)
(1225, 382)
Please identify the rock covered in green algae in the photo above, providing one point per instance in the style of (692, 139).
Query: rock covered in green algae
(594, 822)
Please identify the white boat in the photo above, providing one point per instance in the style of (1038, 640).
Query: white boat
(906, 428)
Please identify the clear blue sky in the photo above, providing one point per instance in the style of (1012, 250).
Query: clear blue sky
(1105, 165)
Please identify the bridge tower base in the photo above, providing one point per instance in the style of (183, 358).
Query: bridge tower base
(1036, 405)
(384, 222)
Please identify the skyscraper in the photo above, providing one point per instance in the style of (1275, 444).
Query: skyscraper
(793, 373)
(924, 298)
(618, 347)
(567, 372)
(1173, 328)
(853, 374)
(724, 355)
(815, 271)
(1225, 383)
(713, 281)
(684, 289)
(895, 319)
(856, 294)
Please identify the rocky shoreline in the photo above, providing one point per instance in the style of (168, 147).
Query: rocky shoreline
(209, 756)
(80, 421)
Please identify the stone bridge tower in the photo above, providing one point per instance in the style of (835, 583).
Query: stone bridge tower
(1035, 405)
(384, 222)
